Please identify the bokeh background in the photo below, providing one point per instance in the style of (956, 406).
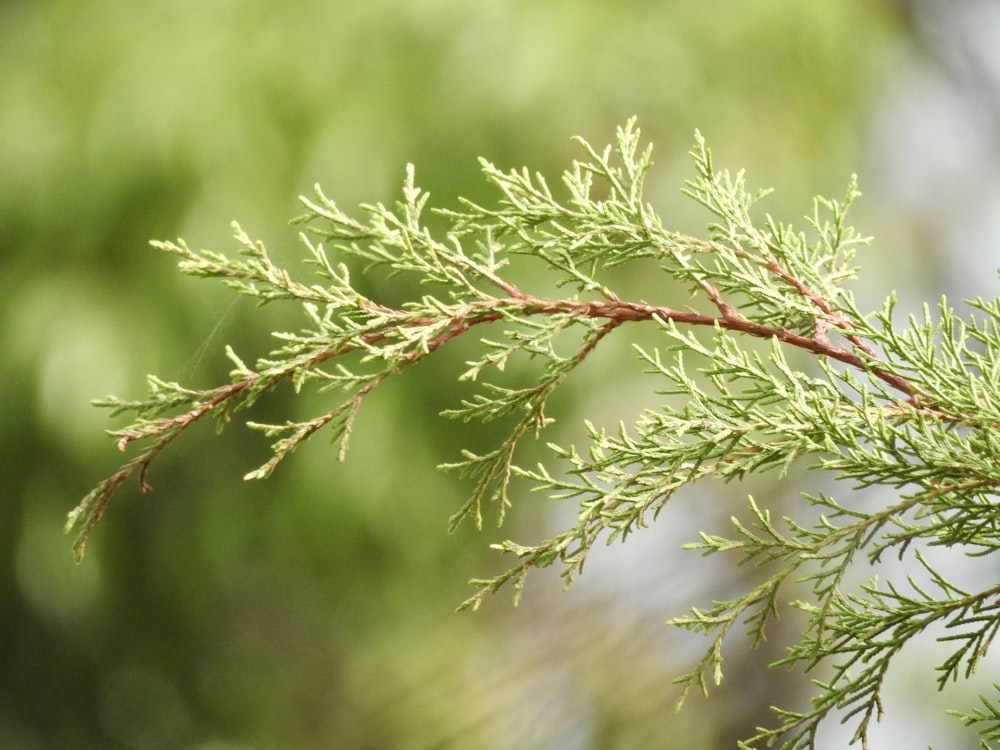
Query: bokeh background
(315, 610)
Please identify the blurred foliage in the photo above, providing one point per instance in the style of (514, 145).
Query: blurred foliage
(220, 615)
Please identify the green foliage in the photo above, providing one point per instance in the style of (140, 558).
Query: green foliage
(911, 408)
(987, 718)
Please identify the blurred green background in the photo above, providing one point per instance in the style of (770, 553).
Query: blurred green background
(315, 610)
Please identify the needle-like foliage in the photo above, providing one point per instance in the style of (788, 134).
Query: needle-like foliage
(912, 407)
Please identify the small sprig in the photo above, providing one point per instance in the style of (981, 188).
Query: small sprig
(986, 720)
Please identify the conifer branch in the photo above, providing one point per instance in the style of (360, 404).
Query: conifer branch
(913, 408)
